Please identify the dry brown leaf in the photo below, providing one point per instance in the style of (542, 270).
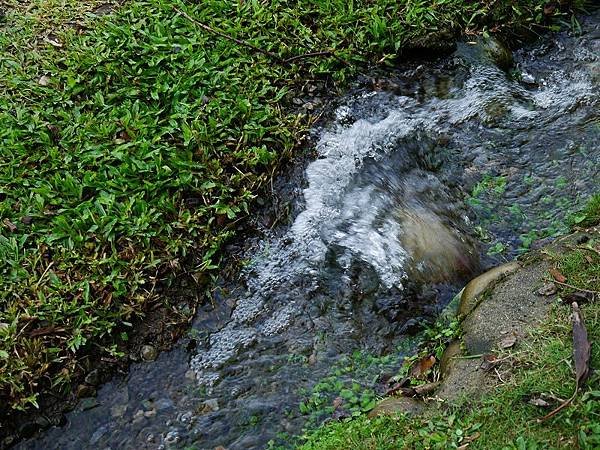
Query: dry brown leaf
(581, 347)
(508, 341)
(581, 356)
(547, 289)
(11, 226)
(539, 402)
(420, 369)
(557, 275)
(337, 402)
(44, 80)
(425, 389)
(472, 438)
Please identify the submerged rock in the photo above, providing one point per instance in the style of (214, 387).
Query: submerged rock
(438, 252)
(498, 53)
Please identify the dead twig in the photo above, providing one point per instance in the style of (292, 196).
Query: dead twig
(581, 356)
(307, 55)
(226, 36)
(247, 44)
(575, 287)
(593, 250)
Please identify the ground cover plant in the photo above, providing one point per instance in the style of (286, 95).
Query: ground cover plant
(134, 137)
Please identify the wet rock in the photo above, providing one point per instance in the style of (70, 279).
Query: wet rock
(397, 405)
(117, 411)
(172, 438)
(85, 390)
(186, 417)
(438, 253)
(88, 403)
(453, 349)
(411, 327)
(209, 405)
(29, 429)
(436, 42)
(163, 403)
(148, 353)
(98, 434)
(138, 416)
(527, 78)
(476, 287)
(498, 53)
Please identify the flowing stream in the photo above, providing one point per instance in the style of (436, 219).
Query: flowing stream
(422, 179)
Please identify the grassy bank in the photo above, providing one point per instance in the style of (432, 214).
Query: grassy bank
(133, 142)
(541, 375)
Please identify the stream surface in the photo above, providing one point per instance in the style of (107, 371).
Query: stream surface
(419, 176)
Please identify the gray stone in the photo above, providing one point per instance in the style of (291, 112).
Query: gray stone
(397, 405)
(472, 292)
(118, 410)
(148, 353)
(452, 350)
(163, 403)
(498, 53)
(98, 434)
(88, 403)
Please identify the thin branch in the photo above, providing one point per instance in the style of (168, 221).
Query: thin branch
(258, 49)
(226, 36)
(308, 55)
(590, 249)
(576, 288)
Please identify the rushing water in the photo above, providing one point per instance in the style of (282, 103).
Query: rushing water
(417, 177)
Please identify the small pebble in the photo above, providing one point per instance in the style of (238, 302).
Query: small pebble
(148, 353)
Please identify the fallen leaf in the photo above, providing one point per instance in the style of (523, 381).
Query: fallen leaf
(400, 388)
(472, 438)
(489, 362)
(581, 347)
(579, 297)
(581, 356)
(557, 275)
(508, 341)
(539, 402)
(26, 220)
(11, 226)
(420, 369)
(337, 402)
(425, 389)
(45, 330)
(44, 80)
(547, 289)
(53, 41)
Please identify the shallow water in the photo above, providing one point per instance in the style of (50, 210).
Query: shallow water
(419, 176)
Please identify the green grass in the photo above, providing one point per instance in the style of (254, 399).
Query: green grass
(132, 144)
(505, 418)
